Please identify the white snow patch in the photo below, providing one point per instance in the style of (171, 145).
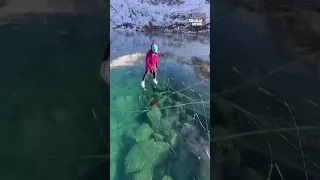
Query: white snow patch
(127, 60)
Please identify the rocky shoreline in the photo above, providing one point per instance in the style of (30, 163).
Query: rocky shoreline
(174, 28)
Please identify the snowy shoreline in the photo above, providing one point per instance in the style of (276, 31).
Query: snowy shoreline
(165, 16)
(173, 28)
(166, 30)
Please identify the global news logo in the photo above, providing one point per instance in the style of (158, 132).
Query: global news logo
(197, 22)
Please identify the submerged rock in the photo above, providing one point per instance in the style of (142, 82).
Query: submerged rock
(180, 110)
(252, 174)
(184, 165)
(142, 133)
(129, 98)
(189, 118)
(224, 150)
(158, 137)
(173, 140)
(225, 145)
(225, 107)
(217, 173)
(204, 173)
(180, 96)
(234, 157)
(113, 171)
(146, 174)
(198, 147)
(61, 115)
(167, 178)
(201, 67)
(162, 101)
(189, 130)
(124, 103)
(145, 155)
(169, 168)
(167, 125)
(154, 116)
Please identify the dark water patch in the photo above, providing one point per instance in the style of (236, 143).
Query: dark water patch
(98, 172)
(47, 86)
(3, 3)
(277, 101)
(123, 151)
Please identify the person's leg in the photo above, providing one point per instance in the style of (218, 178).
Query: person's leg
(144, 78)
(145, 75)
(154, 73)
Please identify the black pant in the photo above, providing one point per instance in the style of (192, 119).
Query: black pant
(154, 73)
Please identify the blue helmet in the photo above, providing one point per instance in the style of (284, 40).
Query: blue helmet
(154, 48)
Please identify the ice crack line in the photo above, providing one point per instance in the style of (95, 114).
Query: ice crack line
(298, 134)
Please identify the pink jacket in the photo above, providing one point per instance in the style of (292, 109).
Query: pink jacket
(151, 60)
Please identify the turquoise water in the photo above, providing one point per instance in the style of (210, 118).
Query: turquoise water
(151, 140)
(50, 86)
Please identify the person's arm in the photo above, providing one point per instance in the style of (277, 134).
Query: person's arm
(157, 64)
(148, 58)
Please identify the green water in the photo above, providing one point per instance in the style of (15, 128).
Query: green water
(141, 148)
(50, 89)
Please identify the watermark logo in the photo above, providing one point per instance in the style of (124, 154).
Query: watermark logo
(197, 19)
